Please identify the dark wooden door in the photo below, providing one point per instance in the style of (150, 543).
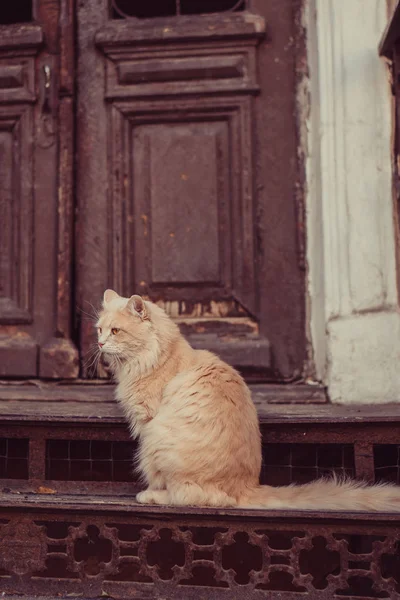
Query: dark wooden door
(188, 185)
(36, 145)
(188, 178)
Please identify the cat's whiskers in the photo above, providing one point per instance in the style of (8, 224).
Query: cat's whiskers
(91, 318)
(91, 350)
(95, 310)
(89, 359)
(92, 362)
(92, 367)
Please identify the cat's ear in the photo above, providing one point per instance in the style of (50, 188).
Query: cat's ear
(137, 306)
(109, 295)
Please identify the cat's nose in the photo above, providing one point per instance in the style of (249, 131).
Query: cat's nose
(100, 345)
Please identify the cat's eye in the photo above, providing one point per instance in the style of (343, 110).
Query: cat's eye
(99, 330)
(114, 330)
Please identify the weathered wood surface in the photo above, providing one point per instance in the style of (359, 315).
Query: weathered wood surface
(90, 402)
(61, 503)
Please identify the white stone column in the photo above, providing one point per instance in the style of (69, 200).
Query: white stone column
(353, 297)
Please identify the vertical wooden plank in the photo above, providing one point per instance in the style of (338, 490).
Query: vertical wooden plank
(364, 460)
(59, 357)
(37, 459)
(92, 182)
(280, 187)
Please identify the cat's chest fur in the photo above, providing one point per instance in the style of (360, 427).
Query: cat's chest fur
(141, 397)
(140, 401)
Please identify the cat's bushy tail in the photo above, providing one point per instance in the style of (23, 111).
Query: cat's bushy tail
(326, 494)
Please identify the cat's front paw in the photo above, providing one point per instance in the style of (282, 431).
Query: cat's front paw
(152, 497)
(144, 497)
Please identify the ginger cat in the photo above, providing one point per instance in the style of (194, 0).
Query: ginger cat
(197, 426)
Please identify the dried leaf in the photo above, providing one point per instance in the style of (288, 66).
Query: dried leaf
(45, 490)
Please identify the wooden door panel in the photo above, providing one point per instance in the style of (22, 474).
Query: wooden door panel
(18, 346)
(175, 168)
(17, 212)
(34, 201)
(180, 176)
(184, 232)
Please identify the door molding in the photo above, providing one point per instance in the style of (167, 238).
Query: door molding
(353, 303)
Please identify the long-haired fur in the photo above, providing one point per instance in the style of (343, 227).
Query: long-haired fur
(199, 438)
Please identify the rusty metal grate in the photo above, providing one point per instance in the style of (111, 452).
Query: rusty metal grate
(130, 552)
(89, 460)
(300, 463)
(100, 460)
(14, 457)
(138, 9)
(387, 462)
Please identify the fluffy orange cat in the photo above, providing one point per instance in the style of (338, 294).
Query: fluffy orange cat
(197, 426)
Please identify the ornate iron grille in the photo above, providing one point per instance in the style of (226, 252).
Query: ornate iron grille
(125, 9)
(129, 551)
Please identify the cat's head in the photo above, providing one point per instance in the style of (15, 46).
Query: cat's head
(133, 330)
